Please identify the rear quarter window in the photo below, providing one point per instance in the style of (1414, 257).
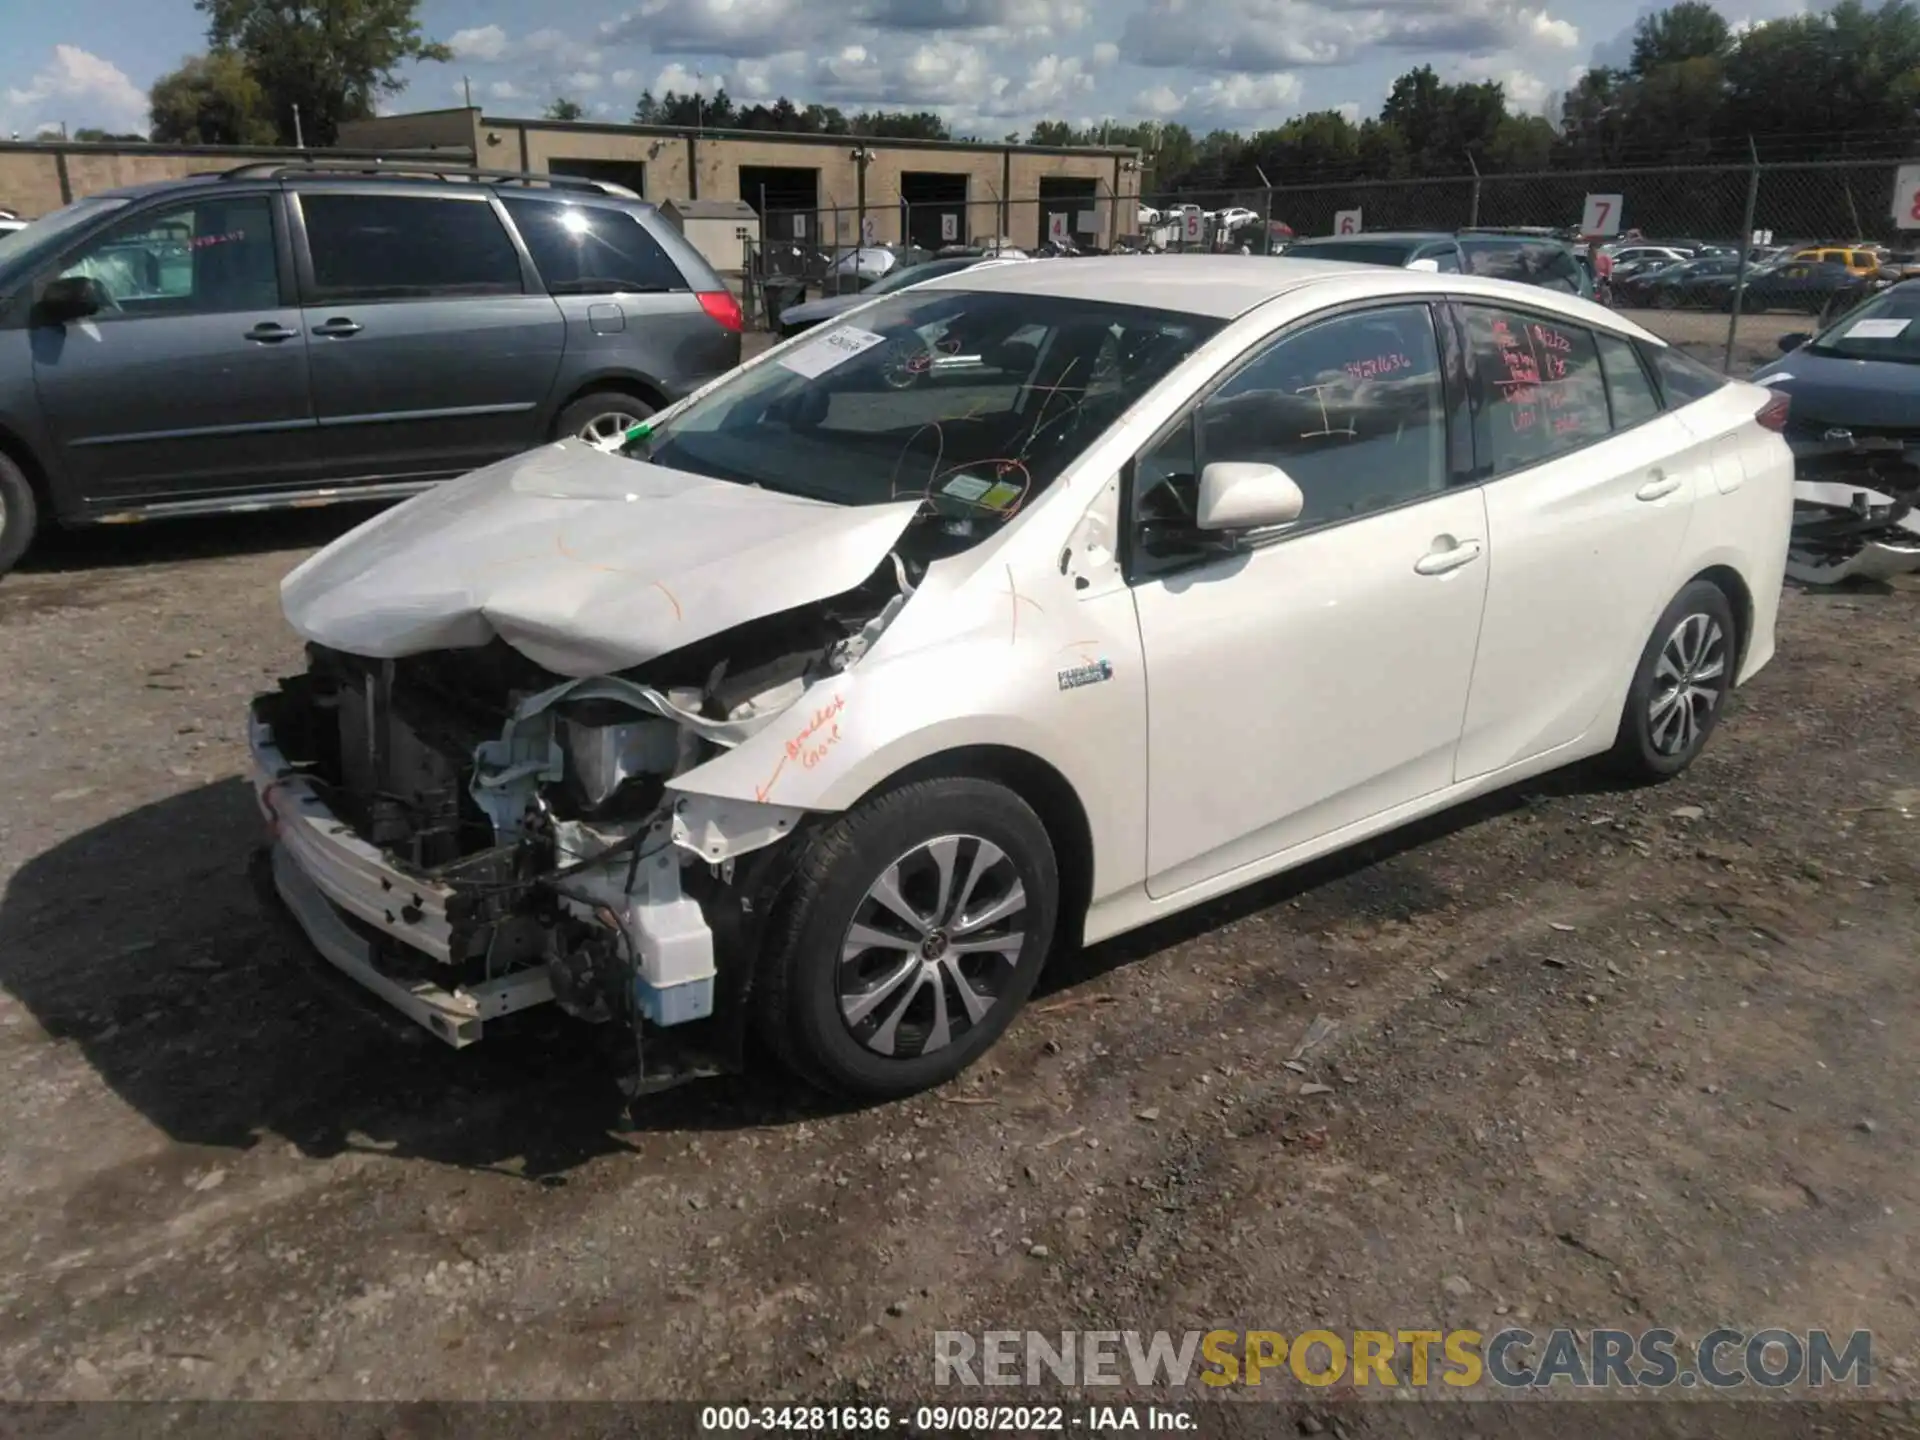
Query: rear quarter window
(1682, 378)
(591, 249)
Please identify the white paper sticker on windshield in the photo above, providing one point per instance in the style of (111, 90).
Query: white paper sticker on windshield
(1876, 329)
(836, 347)
(966, 487)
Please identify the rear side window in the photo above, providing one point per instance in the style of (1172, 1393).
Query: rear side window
(591, 250)
(1542, 393)
(1635, 401)
(1683, 379)
(407, 246)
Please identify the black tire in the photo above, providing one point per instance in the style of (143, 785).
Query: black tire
(1649, 749)
(798, 991)
(603, 406)
(19, 514)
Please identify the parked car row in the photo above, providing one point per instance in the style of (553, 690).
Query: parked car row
(1529, 259)
(289, 335)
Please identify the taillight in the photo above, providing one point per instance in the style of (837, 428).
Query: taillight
(1773, 414)
(721, 305)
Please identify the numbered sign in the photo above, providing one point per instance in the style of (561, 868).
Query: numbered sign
(1087, 221)
(1906, 198)
(949, 227)
(1057, 230)
(1193, 226)
(1346, 222)
(869, 229)
(799, 227)
(1601, 215)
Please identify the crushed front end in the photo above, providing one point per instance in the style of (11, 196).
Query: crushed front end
(1856, 507)
(467, 834)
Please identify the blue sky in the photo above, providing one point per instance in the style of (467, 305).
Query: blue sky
(989, 66)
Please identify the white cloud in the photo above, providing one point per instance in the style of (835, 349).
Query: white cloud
(485, 43)
(505, 90)
(581, 80)
(1349, 110)
(1256, 36)
(682, 81)
(1105, 54)
(1228, 102)
(1527, 94)
(624, 77)
(79, 88)
(1161, 100)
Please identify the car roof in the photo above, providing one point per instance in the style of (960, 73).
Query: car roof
(1407, 235)
(213, 180)
(1226, 286)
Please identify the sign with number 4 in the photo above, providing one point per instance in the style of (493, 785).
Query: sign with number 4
(1601, 215)
(1058, 230)
(1906, 198)
(1346, 222)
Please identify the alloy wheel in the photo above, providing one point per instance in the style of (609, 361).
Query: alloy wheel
(932, 947)
(1687, 682)
(608, 430)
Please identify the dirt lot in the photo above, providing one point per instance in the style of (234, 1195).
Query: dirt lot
(1598, 1058)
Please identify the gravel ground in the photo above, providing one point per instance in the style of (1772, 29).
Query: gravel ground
(1596, 1057)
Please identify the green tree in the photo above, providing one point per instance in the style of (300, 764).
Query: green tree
(212, 99)
(1690, 30)
(334, 59)
(564, 108)
(94, 136)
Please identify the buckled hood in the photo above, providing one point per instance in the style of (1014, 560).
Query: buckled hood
(584, 561)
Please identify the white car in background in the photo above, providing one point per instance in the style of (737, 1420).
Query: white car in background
(829, 711)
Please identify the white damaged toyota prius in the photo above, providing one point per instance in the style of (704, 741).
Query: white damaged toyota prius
(1016, 610)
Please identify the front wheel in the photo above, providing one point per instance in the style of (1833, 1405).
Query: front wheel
(1680, 687)
(915, 929)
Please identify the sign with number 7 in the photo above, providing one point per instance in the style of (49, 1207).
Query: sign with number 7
(1601, 216)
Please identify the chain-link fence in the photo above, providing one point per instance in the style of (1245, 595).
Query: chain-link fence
(1724, 259)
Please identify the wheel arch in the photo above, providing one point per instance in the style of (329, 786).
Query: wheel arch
(15, 447)
(622, 382)
(1731, 583)
(1052, 798)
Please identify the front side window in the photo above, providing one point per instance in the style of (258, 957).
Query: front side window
(972, 402)
(1542, 393)
(213, 256)
(591, 249)
(1353, 409)
(405, 247)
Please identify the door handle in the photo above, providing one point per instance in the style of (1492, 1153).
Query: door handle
(1440, 562)
(1659, 485)
(338, 328)
(269, 333)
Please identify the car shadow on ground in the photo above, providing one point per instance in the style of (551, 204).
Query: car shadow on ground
(144, 942)
(163, 542)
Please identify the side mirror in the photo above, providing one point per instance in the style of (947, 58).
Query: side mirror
(72, 297)
(1246, 497)
(1431, 267)
(1793, 341)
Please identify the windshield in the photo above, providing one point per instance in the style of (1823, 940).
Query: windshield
(47, 233)
(1359, 252)
(1887, 327)
(972, 401)
(914, 274)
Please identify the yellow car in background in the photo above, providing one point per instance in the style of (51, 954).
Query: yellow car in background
(1860, 262)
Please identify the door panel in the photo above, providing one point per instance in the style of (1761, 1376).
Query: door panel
(1588, 539)
(1305, 687)
(1315, 678)
(428, 356)
(195, 381)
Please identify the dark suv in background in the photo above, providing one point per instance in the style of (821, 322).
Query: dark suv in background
(285, 335)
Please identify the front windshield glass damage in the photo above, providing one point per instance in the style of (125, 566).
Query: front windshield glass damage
(973, 402)
(1887, 327)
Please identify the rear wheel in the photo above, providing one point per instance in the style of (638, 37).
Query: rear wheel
(1680, 687)
(19, 514)
(602, 419)
(915, 930)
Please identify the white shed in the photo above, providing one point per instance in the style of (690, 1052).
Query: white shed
(719, 229)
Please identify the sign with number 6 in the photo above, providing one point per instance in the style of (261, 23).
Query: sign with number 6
(1906, 198)
(1346, 222)
(1601, 215)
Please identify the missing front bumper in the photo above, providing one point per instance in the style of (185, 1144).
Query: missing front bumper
(355, 905)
